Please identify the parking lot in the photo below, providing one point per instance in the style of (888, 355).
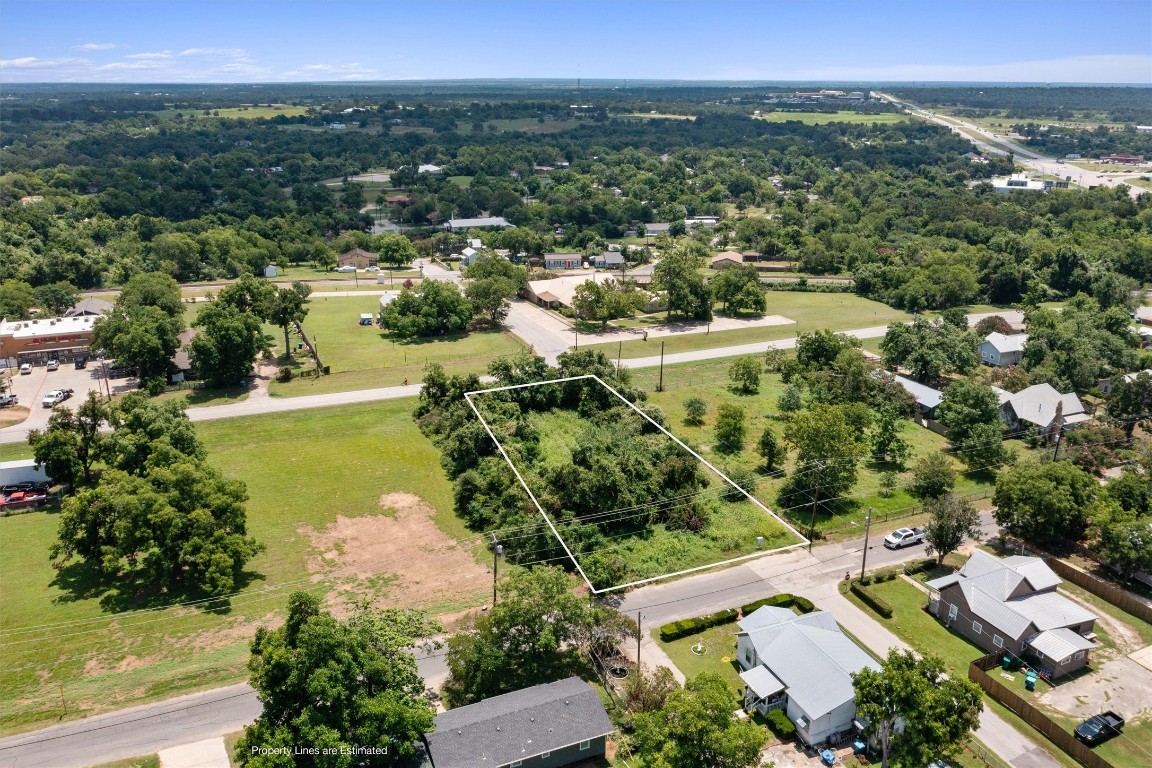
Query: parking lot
(31, 388)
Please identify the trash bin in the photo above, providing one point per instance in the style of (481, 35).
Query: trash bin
(1006, 663)
(1030, 681)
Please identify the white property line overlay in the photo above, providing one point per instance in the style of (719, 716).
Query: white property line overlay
(803, 539)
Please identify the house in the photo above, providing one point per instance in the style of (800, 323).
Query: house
(1000, 350)
(1106, 385)
(707, 222)
(563, 260)
(89, 307)
(609, 260)
(358, 258)
(561, 291)
(428, 168)
(545, 726)
(656, 228)
(181, 367)
(803, 665)
(726, 259)
(460, 225)
(468, 256)
(271, 271)
(927, 399)
(1037, 405)
(1010, 605)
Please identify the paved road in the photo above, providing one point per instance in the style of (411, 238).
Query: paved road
(146, 729)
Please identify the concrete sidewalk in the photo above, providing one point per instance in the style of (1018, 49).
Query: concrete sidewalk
(209, 753)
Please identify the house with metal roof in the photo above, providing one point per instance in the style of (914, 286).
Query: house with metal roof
(545, 726)
(1010, 605)
(1002, 350)
(460, 225)
(802, 664)
(927, 398)
(1039, 405)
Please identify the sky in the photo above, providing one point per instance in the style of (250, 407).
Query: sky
(181, 41)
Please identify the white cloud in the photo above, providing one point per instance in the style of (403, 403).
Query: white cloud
(156, 55)
(33, 64)
(94, 47)
(353, 71)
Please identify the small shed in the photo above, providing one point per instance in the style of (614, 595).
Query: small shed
(271, 271)
(365, 318)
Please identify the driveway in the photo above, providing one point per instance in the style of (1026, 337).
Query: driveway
(31, 389)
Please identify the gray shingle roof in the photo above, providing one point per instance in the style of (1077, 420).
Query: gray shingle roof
(518, 725)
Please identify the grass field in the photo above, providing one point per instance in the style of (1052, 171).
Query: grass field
(255, 113)
(364, 357)
(719, 643)
(524, 124)
(823, 118)
(655, 116)
(708, 380)
(811, 311)
(67, 656)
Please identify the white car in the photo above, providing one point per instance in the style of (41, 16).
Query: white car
(345, 270)
(55, 397)
(904, 537)
(25, 369)
(53, 365)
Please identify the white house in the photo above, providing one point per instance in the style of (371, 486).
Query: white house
(803, 665)
(1037, 405)
(1001, 351)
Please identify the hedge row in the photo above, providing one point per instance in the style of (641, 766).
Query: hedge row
(873, 601)
(803, 286)
(685, 627)
(678, 629)
(780, 725)
(891, 572)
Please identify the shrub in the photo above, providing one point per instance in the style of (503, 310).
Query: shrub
(782, 600)
(875, 602)
(678, 629)
(781, 727)
(284, 375)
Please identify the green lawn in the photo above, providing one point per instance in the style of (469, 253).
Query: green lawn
(708, 380)
(364, 357)
(811, 311)
(66, 656)
(147, 761)
(822, 118)
(720, 658)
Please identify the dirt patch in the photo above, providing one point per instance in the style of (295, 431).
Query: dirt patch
(13, 414)
(1120, 684)
(1126, 638)
(400, 559)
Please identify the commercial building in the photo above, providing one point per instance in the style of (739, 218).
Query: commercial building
(50, 338)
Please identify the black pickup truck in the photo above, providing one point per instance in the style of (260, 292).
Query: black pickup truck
(1099, 728)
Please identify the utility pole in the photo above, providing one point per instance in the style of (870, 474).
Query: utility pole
(619, 354)
(497, 550)
(815, 504)
(867, 530)
(639, 618)
(1059, 425)
(660, 384)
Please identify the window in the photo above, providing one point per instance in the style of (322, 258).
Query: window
(997, 641)
(952, 611)
(976, 627)
(542, 755)
(1079, 655)
(749, 655)
(585, 745)
(518, 762)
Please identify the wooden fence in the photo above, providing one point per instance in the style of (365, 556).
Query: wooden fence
(1118, 597)
(977, 673)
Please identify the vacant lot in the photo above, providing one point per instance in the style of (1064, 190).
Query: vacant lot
(364, 357)
(821, 118)
(811, 311)
(67, 656)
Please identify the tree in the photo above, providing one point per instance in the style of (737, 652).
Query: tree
(16, 299)
(141, 337)
(828, 450)
(819, 350)
(71, 445)
(769, 448)
(928, 349)
(337, 685)
(750, 299)
(285, 307)
(936, 712)
(932, 477)
(971, 412)
(745, 374)
(57, 297)
(248, 294)
(729, 428)
(647, 690)
(952, 519)
(677, 274)
(730, 287)
(992, 324)
(489, 297)
(431, 308)
(226, 348)
(696, 729)
(152, 289)
(395, 250)
(887, 445)
(527, 638)
(1074, 348)
(1039, 502)
(1130, 402)
(694, 411)
(1122, 538)
(791, 399)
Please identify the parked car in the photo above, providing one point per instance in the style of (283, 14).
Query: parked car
(80, 363)
(53, 365)
(1099, 728)
(904, 537)
(55, 397)
(25, 369)
(345, 269)
(8, 400)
